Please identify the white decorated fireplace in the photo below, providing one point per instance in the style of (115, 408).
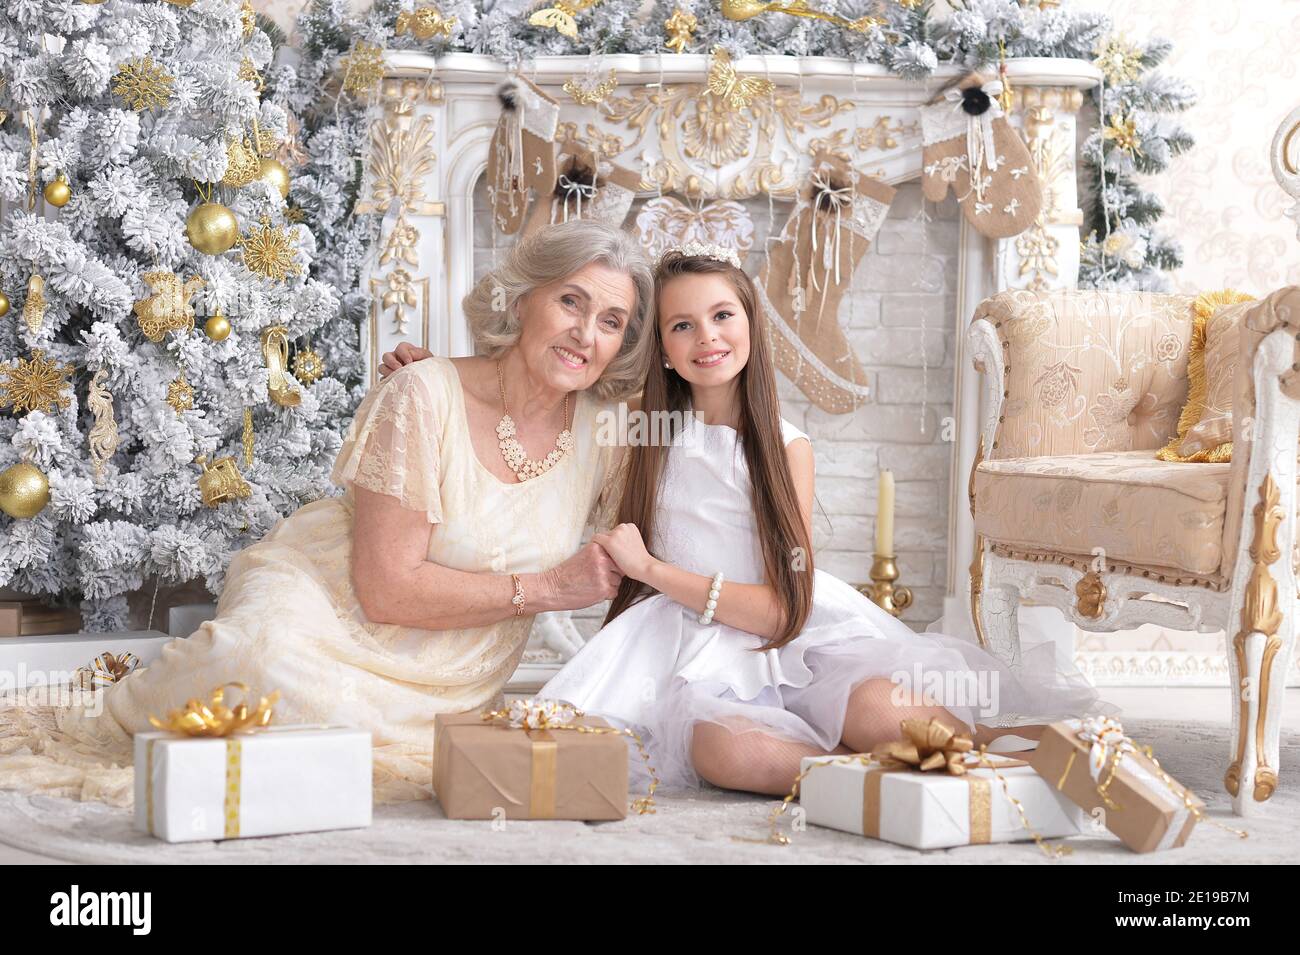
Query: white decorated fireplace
(905, 312)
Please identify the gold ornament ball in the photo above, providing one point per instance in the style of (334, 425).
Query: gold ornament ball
(58, 192)
(217, 327)
(4, 304)
(24, 490)
(273, 172)
(212, 228)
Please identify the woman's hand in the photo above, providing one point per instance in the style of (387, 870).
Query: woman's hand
(625, 545)
(586, 578)
(403, 354)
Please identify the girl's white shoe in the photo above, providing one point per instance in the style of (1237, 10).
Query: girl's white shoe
(1010, 743)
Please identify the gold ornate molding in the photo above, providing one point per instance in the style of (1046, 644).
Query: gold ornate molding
(401, 160)
(401, 150)
(1051, 148)
(1259, 614)
(699, 134)
(1091, 594)
(1066, 99)
(977, 562)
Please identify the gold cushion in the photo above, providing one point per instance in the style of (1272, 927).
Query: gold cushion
(1205, 424)
(1135, 507)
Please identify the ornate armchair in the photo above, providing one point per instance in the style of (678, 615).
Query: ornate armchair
(1072, 507)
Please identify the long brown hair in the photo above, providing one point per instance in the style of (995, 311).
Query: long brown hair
(787, 551)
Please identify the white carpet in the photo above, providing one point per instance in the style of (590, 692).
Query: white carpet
(704, 828)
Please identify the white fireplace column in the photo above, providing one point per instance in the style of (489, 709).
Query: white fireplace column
(431, 147)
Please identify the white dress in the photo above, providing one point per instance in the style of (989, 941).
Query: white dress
(656, 669)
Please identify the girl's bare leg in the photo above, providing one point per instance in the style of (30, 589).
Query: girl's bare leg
(750, 759)
(873, 716)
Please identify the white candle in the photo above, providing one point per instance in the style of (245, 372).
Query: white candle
(885, 515)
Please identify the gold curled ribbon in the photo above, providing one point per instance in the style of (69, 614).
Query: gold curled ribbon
(275, 350)
(215, 718)
(540, 718)
(926, 745)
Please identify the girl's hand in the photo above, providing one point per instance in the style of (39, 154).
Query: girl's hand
(403, 354)
(624, 544)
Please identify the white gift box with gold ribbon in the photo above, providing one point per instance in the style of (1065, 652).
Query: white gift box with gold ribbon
(934, 810)
(271, 781)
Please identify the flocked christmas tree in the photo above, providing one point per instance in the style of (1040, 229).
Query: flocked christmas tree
(157, 284)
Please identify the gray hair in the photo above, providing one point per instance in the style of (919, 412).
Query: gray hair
(548, 255)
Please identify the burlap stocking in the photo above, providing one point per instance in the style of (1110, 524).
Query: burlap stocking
(806, 273)
(586, 187)
(521, 156)
(968, 144)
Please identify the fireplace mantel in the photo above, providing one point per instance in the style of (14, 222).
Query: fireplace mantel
(430, 148)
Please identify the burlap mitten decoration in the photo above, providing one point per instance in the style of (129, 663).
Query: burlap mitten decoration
(586, 187)
(809, 268)
(521, 156)
(968, 144)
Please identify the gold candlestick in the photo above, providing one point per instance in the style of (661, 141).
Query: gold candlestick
(882, 589)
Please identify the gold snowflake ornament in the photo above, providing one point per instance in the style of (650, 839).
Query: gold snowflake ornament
(308, 367)
(143, 84)
(269, 252)
(36, 384)
(180, 394)
(1118, 60)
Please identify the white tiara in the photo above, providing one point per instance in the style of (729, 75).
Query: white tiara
(708, 250)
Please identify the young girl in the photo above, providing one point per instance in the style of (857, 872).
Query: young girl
(724, 648)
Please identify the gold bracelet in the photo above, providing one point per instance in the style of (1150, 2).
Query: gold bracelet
(518, 598)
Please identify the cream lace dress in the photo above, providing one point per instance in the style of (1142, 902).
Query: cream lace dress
(288, 618)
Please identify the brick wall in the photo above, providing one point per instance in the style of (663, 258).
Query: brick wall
(899, 317)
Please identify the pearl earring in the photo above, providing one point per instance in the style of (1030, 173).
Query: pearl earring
(668, 364)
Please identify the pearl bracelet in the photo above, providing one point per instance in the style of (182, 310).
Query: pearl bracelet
(711, 604)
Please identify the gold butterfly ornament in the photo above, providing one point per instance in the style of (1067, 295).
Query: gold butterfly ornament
(737, 91)
(560, 16)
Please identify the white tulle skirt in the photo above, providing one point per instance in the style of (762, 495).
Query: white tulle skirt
(657, 670)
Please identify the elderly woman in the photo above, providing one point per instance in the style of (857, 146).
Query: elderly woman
(468, 482)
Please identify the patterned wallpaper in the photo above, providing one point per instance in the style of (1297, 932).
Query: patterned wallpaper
(1223, 203)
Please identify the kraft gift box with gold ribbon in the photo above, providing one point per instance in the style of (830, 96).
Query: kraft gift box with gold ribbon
(1104, 773)
(269, 781)
(934, 810)
(483, 770)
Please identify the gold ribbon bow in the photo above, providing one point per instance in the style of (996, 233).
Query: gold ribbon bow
(537, 718)
(106, 669)
(926, 745)
(215, 718)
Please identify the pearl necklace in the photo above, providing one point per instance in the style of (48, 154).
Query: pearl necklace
(515, 456)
